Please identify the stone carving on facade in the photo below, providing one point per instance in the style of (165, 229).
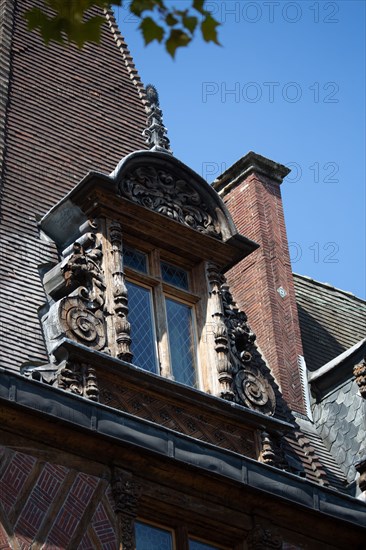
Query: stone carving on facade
(220, 333)
(361, 469)
(78, 378)
(81, 312)
(120, 299)
(126, 494)
(250, 386)
(271, 451)
(77, 285)
(155, 133)
(73, 376)
(171, 196)
(359, 372)
(263, 537)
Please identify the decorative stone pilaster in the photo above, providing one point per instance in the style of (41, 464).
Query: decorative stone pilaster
(220, 333)
(126, 493)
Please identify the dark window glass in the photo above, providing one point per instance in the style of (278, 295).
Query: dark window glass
(135, 259)
(174, 276)
(152, 538)
(181, 341)
(140, 317)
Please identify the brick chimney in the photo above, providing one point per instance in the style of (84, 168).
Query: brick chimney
(262, 283)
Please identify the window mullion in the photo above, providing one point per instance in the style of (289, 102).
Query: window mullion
(160, 317)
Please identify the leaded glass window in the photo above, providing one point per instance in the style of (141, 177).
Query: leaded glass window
(162, 316)
(149, 537)
(135, 259)
(174, 275)
(140, 316)
(181, 341)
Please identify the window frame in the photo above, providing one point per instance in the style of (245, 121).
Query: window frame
(181, 535)
(160, 290)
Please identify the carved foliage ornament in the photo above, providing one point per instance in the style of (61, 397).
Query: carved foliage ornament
(171, 196)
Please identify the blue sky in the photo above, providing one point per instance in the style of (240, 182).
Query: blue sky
(289, 84)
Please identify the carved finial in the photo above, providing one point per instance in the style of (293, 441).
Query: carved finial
(155, 132)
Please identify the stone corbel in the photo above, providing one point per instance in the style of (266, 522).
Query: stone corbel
(126, 493)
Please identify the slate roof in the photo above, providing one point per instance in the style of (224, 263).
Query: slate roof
(68, 112)
(331, 320)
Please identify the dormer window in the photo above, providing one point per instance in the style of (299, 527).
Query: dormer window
(162, 316)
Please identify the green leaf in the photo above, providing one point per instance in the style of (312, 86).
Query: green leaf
(138, 6)
(177, 39)
(190, 23)
(151, 31)
(198, 5)
(171, 20)
(88, 31)
(208, 27)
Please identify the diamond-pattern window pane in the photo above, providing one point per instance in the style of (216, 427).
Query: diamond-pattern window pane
(135, 260)
(174, 276)
(196, 545)
(140, 317)
(181, 341)
(152, 538)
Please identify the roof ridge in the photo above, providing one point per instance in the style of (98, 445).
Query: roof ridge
(329, 286)
(126, 54)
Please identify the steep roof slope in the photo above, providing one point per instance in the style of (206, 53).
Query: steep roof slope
(331, 320)
(67, 112)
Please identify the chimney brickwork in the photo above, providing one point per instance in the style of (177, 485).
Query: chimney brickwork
(262, 283)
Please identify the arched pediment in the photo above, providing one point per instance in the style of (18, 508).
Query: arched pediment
(165, 185)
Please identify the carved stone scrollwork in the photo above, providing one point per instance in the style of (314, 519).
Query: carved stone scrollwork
(264, 538)
(171, 196)
(359, 372)
(78, 378)
(126, 493)
(120, 299)
(224, 368)
(82, 324)
(81, 313)
(250, 387)
(77, 287)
